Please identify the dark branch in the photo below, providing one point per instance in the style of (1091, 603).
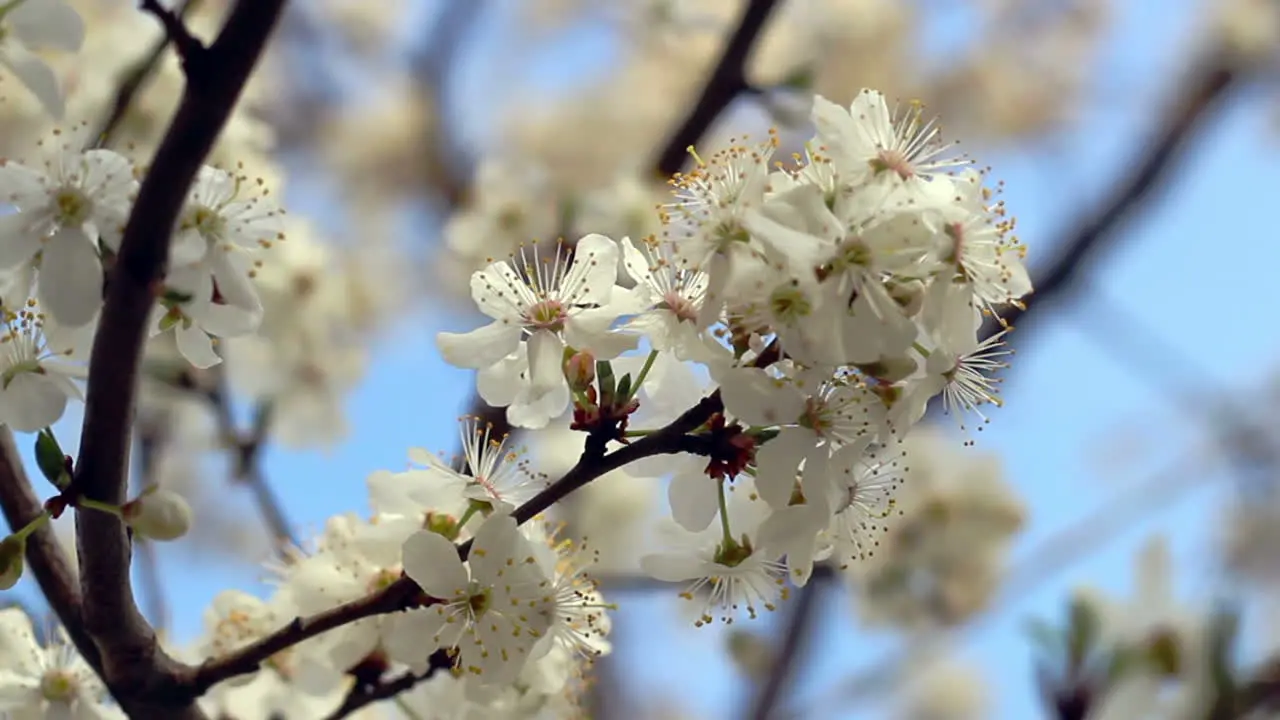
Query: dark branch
(247, 451)
(404, 593)
(188, 46)
(362, 696)
(793, 639)
(1211, 78)
(727, 82)
(132, 663)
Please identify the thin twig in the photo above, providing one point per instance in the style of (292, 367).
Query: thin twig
(133, 664)
(792, 640)
(362, 696)
(404, 593)
(1211, 78)
(133, 82)
(188, 46)
(728, 80)
(247, 453)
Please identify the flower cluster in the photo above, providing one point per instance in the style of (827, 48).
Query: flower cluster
(517, 618)
(67, 219)
(830, 299)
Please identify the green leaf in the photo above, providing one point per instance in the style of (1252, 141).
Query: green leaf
(50, 458)
(1082, 631)
(624, 388)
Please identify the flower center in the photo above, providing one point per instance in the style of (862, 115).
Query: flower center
(679, 305)
(893, 161)
(546, 315)
(731, 553)
(788, 303)
(442, 524)
(73, 207)
(726, 234)
(59, 686)
(815, 416)
(955, 231)
(208, 223)
(383, 579)
(479, 601)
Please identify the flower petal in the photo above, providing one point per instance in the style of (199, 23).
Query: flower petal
(32, 402)
(695, 500)
(37, 77)
(70, 277)
(51, 24)
(432, 562)
(481, 347)
(196, 346)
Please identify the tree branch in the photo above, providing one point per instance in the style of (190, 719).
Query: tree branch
(1210, 79)
(188, 46)
(132, 663)
(793, 639)
(247, 449)
(133, 81)
(727, 82)
(362, 696)
(404, 593)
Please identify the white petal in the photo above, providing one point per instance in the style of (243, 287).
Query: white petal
(495, 542)
(234, 283)
(18, 648)
(778, 463)
(500, 293)
(758, 398)
(594, 272)
(533, 410)
(481, 347)
(497, 634)
(500, 383)
(591, 330)
(672, 567)
(546, 361)
(636, 264)
(70, 277)
(695, 500)
(51, 24)
(410, 637)
(33, 402)
(196, 346)
(38, 77)
(17, 243)
(188, 247)
(432, 561)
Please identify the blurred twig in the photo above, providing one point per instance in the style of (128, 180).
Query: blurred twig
(1210, 77)
(793, 637)
(362, 696)
(149, 437)
(728, 80)
(1044, 561)
(246, 449)
(134, 80)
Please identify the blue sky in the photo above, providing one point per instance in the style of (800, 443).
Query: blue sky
(1080, 424)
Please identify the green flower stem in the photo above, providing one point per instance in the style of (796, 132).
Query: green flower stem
(99, 506)
(724, 516)
(644, 373)
(24, 532)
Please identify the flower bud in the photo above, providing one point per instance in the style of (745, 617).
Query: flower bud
(11, 549)
(158, 514)
(580, 370)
